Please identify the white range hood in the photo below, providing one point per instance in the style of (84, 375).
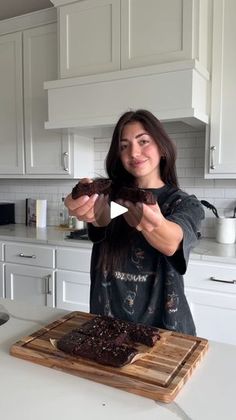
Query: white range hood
(93, 101)
(176, 90)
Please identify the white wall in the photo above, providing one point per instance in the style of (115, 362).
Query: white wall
(190, 167)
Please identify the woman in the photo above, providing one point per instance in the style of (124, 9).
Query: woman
(138, 258)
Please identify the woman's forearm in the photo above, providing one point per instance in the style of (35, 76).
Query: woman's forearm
(166, 238)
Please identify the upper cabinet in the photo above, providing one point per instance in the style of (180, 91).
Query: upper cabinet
(117, 55)
(11, 105)
(28, 58)
(220, 138)
(110, 35)
(89, 37)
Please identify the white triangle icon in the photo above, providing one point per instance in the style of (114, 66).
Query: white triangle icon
(117, 209)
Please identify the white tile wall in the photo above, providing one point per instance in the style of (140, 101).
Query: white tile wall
(190, 168)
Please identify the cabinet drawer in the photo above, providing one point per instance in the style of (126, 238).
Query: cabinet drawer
(30, 255)
(211, 276)
(74, 259)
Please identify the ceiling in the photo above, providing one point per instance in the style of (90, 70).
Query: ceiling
(11, 8)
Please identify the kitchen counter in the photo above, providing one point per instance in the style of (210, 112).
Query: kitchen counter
(32, 391)
(47, 236)
(206, 249)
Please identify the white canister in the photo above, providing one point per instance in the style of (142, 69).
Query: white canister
(226, 230)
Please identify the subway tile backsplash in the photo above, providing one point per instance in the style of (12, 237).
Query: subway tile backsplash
(190, 168)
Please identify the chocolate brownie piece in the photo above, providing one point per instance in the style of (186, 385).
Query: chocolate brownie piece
(96, 349)
(104, 328)
(120, 331)
(106, 352)
(70, 342)
(136, 195)
(144, 334)
(98, 186)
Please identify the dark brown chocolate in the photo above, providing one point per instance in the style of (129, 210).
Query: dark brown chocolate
(105, 186)
(96, 349)
(136, 195)
(98, 186)
(108, 341)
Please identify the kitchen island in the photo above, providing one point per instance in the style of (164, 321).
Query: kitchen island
(30, 391)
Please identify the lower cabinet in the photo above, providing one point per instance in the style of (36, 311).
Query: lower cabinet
(29, 273)
(73, 278)
(72, 290)
(210, 288)
(35, 285)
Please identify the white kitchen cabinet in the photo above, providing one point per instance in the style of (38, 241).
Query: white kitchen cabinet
(89, 37)
(211, 292)
(11, 105)
(73, 279)
(220, 136)
(163, 31)
(30, 284)
(30, 273)
(110, 35)
(28, 58)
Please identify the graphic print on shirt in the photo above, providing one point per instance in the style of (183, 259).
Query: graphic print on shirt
(132, 282)
(172, 298)
(106, 285)
(128, 303)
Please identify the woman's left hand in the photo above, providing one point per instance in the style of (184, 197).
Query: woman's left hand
(142, 216)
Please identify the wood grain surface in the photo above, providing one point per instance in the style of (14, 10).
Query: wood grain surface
(159, 374)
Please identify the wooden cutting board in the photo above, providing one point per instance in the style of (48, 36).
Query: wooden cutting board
(159, 374)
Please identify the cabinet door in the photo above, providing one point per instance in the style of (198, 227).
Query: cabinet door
(89, 37)
(72, 290)
(11, 105)
(214, 314)
(30, 284)
(47, 151)
(157, 31)
(221, 144)
(211, 292)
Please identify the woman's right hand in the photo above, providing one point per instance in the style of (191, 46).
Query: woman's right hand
(94, 209)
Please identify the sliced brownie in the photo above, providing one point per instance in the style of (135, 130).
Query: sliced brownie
(136, 195)
(98, 186)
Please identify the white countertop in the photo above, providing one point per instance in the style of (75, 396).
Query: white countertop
(206, 249)
(29, 391)
(47, 236)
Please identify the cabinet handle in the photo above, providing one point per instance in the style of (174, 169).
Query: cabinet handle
(26, 256)
(223, 281)
(212, 165)
(47, 288)
(65, 160)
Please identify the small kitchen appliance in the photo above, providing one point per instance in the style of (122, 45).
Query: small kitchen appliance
(7, 213)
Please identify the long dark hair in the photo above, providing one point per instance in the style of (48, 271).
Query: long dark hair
(155, 129)
(115, 248)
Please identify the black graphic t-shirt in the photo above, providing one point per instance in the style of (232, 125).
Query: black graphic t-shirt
(149, 287)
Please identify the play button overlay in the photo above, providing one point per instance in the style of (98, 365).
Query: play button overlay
(117, 209)
(106, 210)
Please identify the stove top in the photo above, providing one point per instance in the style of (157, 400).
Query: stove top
(81, 234)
